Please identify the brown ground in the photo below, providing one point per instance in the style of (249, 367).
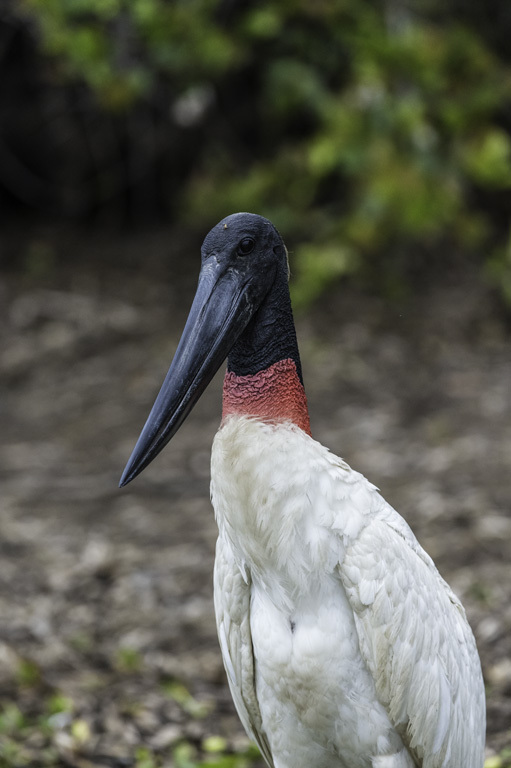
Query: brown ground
(108, 653)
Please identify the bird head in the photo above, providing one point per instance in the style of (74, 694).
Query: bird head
(242, 256)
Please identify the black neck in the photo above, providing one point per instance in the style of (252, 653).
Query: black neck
(270, 336)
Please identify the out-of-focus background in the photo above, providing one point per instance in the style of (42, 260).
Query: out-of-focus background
(376, 136)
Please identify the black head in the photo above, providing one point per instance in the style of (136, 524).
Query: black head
(243, 259)
(249, 245)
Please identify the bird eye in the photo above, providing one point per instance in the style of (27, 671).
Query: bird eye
(246, 245)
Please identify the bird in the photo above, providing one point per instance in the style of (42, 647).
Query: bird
(342, 644)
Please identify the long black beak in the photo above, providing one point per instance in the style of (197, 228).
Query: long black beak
(222, 307)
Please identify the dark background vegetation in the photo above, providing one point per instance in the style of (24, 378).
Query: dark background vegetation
(376, 136)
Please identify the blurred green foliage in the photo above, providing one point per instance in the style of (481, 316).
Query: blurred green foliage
(49, 731)
(193, 707)
(373, 134)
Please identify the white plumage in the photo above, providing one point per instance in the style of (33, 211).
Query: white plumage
(343, 645)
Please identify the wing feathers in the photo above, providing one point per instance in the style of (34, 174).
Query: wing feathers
(232, 609)
(416, 642)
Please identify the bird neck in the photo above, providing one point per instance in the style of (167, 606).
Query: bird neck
(273, 394)
(264, 373)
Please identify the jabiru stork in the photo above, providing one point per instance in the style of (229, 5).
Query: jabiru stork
(343, 646)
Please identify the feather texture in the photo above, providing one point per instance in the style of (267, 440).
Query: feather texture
(343, 645)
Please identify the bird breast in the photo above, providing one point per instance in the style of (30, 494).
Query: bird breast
(286, 505)
(273, 490)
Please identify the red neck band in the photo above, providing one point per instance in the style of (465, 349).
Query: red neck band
(275, 394)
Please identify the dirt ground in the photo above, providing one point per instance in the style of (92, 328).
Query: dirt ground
(108, 651)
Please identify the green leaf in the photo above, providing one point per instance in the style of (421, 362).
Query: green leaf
(488, 159)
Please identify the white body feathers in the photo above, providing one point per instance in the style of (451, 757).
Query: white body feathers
(343, 645)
